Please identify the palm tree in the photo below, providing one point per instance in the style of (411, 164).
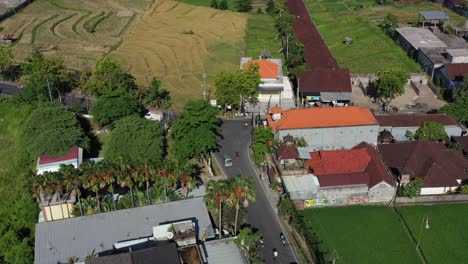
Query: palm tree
(242, 189)
(125, 178)
(169, 178)
(143, 176)
(216, 194)
(107, 173)
(70, 177)
(92, 179)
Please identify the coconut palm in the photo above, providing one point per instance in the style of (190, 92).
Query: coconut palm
(107, 173)
(183, 172)
(169, 178)
(241, 190)
(216, 194)
(142, 177)
(92, 179)
(70, 180)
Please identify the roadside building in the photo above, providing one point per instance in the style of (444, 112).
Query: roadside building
(112, 232)
(442, 170)
(397, 125)
(56, 206)
(275, 89)
(325, 128)
(155, 114)
(451, 75)
(412, 39)
(355, 176)
(48, 163)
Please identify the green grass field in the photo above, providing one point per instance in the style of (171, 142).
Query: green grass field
(262, 36)
(231, 3)
(446, 240)
(362, 234)
(372, 50)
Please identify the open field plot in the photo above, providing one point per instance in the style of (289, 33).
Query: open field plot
(79, 31)
(262, 36)
(446, 240)
(362, 234)
(177, 42)
(372, 50)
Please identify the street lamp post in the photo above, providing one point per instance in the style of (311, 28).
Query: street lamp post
(424, 221)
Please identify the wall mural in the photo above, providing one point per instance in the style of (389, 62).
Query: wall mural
(358, 199)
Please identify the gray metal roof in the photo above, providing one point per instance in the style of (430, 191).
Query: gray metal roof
(223, 251)
(56, 241)
(302, 187)
(434, 15)
(420, 38)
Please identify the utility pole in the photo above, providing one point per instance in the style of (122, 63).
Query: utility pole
(204, 86)
(48, 86)
(298, 99)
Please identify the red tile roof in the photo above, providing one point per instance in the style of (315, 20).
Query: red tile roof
(268, 69)
(276, 110)
(72, 154)
(408, 120)
(323, 74)
(322, 117)
(431, 161)
(324, 80)
(287, 152)
(457, 71)
(463, 141)
(360, 165)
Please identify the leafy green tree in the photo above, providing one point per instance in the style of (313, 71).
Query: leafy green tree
(247, 238)
(391, 84)
(413, 188)
(223, 5)
(196, 131)
(458, 109)
(244, 5)
(44, 73)
(261, 137)
(409, 134)
(389, 24)
(53, 131)
(432, 131)
(214, 4)
(114, 106)
(107, 76)
(154, 95)
(233, 87)
(6, 57)
(270, 6)
(136, 141)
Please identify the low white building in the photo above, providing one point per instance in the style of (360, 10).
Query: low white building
(275, 89)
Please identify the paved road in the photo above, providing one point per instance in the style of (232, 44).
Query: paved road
(260, 214)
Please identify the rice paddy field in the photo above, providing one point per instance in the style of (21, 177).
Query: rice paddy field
(375, 234)
(173, 41)
(372, 50)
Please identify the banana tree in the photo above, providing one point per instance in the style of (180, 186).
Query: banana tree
(241, 190)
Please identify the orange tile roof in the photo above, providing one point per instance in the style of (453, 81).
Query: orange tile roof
(323, 117)
(267, 69)
(338, 161)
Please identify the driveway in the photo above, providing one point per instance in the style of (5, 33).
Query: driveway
(260, 214)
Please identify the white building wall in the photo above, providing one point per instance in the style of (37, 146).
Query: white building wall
(437, 190)
(399, 133)
(333, 138)
(341, 195)
(382, 192)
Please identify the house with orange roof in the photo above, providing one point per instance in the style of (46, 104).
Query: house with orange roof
(275, 89)
(325, 128)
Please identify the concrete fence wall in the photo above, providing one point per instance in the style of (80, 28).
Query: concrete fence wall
(446, 198)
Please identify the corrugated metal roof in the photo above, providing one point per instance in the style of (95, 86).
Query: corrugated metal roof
(434, 15)
(58, 240)
(301, 187)
(223, 251)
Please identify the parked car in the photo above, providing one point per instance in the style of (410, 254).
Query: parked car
(227, 161)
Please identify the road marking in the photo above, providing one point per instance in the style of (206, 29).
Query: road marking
(274, 213)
